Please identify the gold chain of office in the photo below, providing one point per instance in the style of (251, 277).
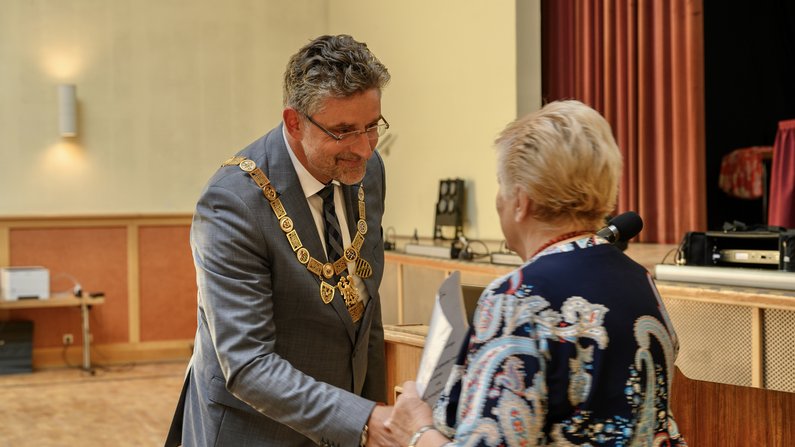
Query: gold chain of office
(323, 270)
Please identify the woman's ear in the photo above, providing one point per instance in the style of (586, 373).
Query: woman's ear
(522, 205)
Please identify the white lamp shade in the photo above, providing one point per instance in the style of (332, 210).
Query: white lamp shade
(67, 110)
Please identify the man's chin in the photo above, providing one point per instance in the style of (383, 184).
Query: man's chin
(351, 177)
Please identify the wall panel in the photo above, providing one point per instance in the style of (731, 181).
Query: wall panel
(167, 283)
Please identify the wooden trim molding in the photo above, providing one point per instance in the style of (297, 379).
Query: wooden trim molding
(95, 220)
(5, 245)
(400, 311)
(115, 354)
(446, 264)
(133, 284)
(757, 348)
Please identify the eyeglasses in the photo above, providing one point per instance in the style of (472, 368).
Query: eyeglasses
(348, 138)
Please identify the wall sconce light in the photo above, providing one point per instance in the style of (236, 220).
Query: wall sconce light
(67, 110)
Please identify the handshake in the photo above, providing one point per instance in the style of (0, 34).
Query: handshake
(403, 424)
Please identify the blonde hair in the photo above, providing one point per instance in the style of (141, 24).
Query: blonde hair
(565, 158)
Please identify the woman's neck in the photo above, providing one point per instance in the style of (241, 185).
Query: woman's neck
(543, 236)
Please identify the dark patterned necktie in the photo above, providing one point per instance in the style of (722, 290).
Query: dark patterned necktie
(334, 251)
(333, 235)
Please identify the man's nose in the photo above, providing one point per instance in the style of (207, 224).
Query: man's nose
(363, 146)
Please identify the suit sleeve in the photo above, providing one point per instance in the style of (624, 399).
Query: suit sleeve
(236, 302)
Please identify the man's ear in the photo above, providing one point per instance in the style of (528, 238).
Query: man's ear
(292, 122)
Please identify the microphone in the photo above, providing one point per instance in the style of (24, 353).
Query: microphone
(622, 228)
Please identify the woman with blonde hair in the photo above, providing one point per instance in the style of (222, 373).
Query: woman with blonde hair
(575, 346)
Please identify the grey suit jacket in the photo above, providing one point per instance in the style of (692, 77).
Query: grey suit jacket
(272, 364)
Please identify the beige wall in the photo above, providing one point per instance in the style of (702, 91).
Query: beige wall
(169, 89)
(454, 87)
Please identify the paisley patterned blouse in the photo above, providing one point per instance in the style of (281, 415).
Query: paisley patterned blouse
(574, 348)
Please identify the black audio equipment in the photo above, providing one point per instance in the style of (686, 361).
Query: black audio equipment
(756, 249)
(786, 243)
(450, 208)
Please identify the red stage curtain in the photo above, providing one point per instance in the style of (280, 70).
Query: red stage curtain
(641, 65)
(782, 180)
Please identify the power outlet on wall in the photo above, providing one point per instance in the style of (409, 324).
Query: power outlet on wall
(68, 339)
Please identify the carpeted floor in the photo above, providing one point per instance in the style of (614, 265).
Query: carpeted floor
(117, 406)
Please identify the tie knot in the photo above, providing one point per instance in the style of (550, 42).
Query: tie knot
(327, 193)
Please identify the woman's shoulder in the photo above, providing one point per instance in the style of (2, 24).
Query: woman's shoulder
(600, 275)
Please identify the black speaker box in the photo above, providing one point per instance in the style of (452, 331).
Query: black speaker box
(694, 249)
(450, 207)
(16, 347)
(786, 258)
(707, 248)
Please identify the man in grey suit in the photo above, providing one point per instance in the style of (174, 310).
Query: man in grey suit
(286, 240)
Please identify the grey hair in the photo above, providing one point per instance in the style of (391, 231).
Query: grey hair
(330, 66)
(566, 159)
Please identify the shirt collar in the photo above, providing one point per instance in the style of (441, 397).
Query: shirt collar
(309, 183)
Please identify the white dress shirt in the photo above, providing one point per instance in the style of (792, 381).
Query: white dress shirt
(311, 187)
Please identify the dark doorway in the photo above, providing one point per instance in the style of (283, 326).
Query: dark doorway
(749, 71)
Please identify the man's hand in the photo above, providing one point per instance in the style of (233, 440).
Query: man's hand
(378, 434)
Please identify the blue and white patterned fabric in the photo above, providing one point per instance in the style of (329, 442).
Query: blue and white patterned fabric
(574, 348)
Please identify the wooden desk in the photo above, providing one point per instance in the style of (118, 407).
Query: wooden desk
(403, 346)
(83, 303)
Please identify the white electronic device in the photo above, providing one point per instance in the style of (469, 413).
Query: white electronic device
(24, 283)
(729, 276)
(743, 256)
(435, 251)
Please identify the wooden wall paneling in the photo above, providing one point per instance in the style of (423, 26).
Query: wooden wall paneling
(476, 279)
(103, 253)
(389, 294)
(96, 257)
(420, 285)
(403, 361)
(167, 283)
(404, 344)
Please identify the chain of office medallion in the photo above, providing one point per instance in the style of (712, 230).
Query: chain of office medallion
(323, 270)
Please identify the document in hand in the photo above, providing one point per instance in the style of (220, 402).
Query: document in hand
(446, 333)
